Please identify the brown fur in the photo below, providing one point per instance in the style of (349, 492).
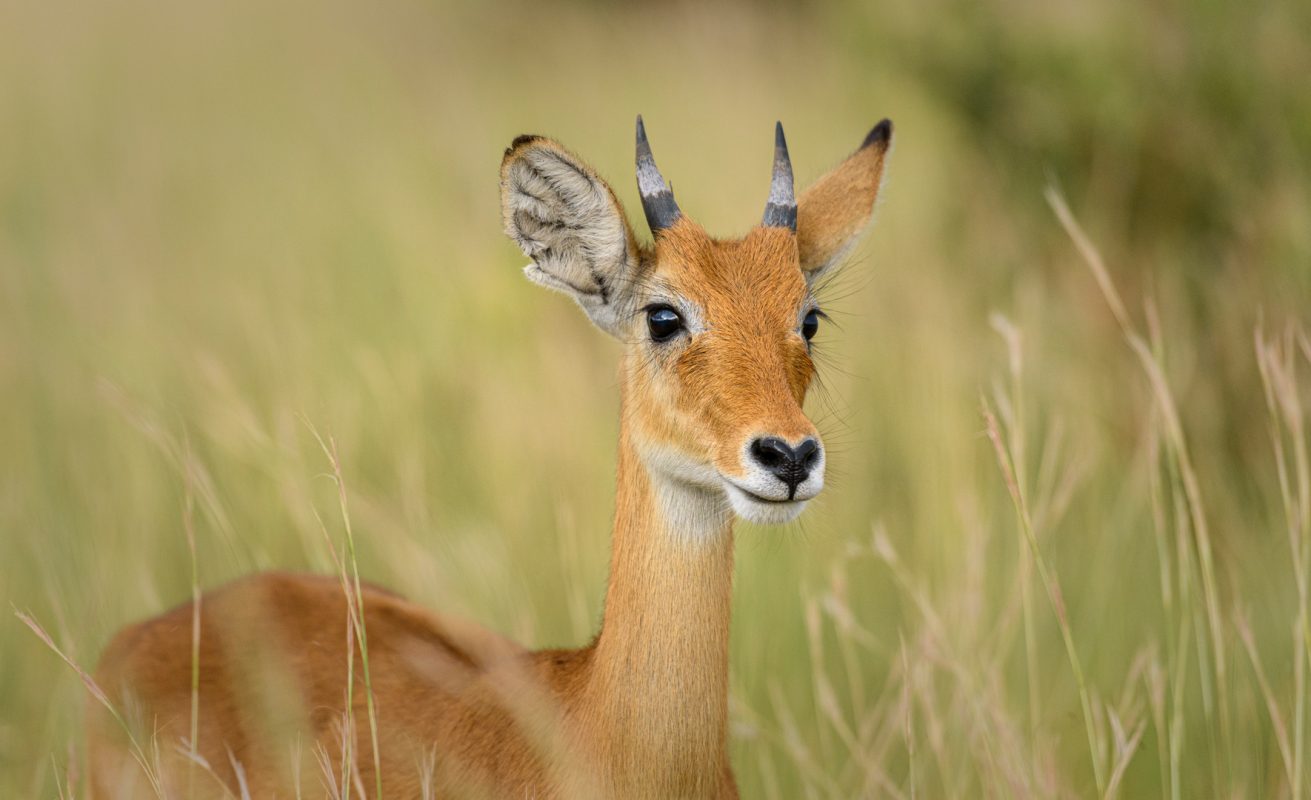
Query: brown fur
(642, 711)
(750, 370)
(835, 209)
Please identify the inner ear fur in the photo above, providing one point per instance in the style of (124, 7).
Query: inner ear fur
(569, 222)
(835, 210)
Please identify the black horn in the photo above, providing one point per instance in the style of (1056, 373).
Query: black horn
(657, 197)
(781, 210)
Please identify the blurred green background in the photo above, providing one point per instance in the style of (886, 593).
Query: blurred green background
(224, 223)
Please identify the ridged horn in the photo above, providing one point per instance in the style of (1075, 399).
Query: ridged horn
(657, 198)
(781, 209)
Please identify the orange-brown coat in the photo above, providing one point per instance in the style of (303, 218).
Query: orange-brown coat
(640, 712)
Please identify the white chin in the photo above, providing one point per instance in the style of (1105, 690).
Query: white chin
(762, 512)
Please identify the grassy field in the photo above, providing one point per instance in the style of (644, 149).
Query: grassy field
(1067, 545)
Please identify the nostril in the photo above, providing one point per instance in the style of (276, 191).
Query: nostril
(771, 452)
(807, 454)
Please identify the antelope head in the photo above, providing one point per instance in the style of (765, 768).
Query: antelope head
(717, 332)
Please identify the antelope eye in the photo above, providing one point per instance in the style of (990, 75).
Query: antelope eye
(663, 322)
(809, 325)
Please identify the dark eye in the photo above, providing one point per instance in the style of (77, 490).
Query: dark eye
(664, 323)
(810, 324)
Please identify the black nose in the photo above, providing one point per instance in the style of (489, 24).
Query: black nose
(792, 465)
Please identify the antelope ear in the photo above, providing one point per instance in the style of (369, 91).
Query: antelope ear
(569, 222)
(835, 211)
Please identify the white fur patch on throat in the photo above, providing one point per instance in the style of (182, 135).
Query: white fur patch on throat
(689, 496)
(692, 514)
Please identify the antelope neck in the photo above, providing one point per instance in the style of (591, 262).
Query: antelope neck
(660, 666)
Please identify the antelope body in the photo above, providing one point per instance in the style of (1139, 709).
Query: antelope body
(715, 368)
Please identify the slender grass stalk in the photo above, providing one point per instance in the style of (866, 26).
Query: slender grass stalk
(138, 753)
(1016, 428)
(355, 603)
(1155, 680)
(1126, 744)
(297, 755)
(846, 638)
(1267, 694)
(1277, 361)
(59, 783)
(908, 702)
(1161, 538)
(1179, 679)
(199, 761)
(348, 726)
(815, 652)
(240, 772)
(795, 745)
(188, 524)
(1050, 584)
(348, 757)
(1192, 491)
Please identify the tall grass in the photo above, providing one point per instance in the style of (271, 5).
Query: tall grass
(217, 222)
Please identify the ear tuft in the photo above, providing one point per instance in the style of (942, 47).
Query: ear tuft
(521, 140)
(880, 136)
(568, 221)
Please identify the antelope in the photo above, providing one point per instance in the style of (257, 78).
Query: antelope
(716, 362)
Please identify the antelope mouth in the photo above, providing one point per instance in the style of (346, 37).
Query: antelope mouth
(760, 499)
(762, 510)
